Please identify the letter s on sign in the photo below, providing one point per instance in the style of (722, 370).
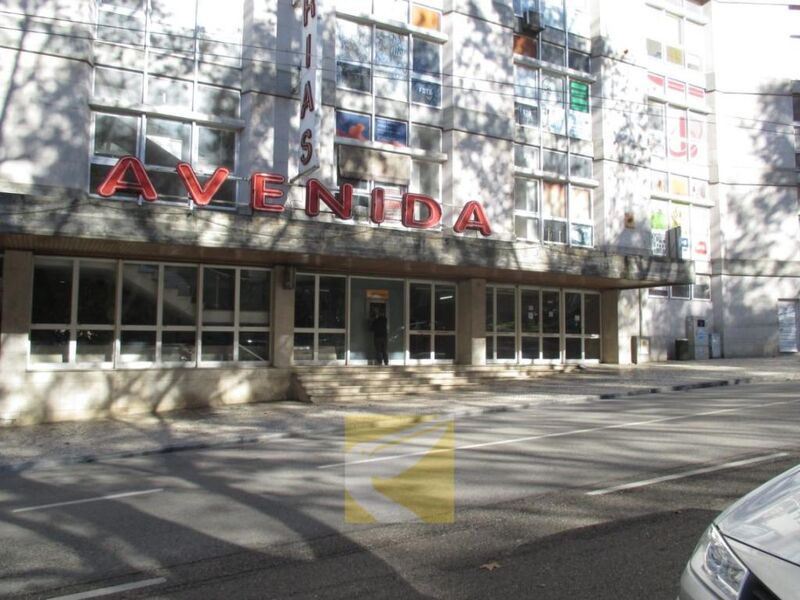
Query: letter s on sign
(307, 147)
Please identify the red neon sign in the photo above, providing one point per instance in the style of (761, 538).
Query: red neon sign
(265, 196)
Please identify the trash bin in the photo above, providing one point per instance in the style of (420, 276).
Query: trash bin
(682, 349)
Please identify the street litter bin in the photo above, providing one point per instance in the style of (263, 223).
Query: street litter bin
(682, 349)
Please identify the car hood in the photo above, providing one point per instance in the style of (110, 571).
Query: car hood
(768, 518)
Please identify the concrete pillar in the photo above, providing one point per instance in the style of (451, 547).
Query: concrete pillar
(621, 314)
(471, 327)
(610, 339)
(16, 321)
(283, 316)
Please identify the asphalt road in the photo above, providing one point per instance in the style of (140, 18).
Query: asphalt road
(538, 509)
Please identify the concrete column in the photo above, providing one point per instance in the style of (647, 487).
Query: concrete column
(282, 316)
(620, 315)
(16, 321)
(610, 339)
(471, 327)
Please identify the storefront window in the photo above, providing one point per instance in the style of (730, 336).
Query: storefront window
(156, 322)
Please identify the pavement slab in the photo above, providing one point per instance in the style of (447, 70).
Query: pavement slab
(47, 445)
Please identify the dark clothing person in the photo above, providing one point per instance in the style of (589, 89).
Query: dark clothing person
(379, 328)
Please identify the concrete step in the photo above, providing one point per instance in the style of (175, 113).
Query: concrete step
(375, 383)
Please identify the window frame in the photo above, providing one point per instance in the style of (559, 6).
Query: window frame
(158, 328)
(411, 34)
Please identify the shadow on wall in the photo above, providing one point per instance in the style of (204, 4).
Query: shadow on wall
(45, 130)
(51, 396)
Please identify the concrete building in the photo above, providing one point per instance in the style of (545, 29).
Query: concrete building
(198, 197)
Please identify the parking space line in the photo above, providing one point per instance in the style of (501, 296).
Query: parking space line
(684, 474)
(86, 500)
(560, 434)
(116, 589)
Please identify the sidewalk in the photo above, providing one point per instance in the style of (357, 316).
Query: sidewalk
(42, 446)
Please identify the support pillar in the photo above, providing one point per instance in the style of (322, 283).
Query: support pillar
(14, 328)
(471, 327)
(283, 316)
(621, 315)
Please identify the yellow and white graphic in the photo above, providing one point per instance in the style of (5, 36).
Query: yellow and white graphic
(399, 468)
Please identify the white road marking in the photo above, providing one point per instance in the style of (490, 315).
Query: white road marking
(85, 500)
(125, 587)
(646, 482)
(562, 433)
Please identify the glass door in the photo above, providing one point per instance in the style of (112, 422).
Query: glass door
(431, 322)
(320, 326)
(501, 324)
(581, 326)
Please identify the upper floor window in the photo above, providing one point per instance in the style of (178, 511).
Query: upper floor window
(161, 143)
(555, 31)
(388, 64)
(673, 38)
(176, 33)
(413, 165)
(557, 103)
(677, 134)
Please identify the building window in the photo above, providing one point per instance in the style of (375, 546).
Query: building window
(152, 97)
(563, 216)
(408, 160)
(673, 209)
(525, 325)
(161, 143)
(555, 31)
(558, 104)
(553, 210)
(677, 134)
(700, 290)
(675, 39)
(167, 315)
(389, 64)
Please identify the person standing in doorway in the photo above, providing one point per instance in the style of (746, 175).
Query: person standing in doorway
(380, 333)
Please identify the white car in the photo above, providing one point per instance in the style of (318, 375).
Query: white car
(752, 550)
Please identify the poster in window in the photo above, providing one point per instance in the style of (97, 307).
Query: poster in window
(353, 125)
(700, 232)
(579, 96)
(697, 138)
(655, 84)
(391, 132)
(658, 246)
(426, 92)
(553, 89)
(677, 133)
(554, 119)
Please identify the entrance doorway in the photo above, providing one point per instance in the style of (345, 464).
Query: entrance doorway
(368, 298)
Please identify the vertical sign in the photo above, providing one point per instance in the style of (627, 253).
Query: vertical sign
(310, 106)
(787, 325)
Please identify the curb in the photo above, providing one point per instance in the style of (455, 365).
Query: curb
(242, 440)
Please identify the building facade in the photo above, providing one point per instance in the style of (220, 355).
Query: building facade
(198, 197)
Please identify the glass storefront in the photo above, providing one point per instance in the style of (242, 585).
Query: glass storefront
(420, 320)
(96, 313)
(541, 325)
